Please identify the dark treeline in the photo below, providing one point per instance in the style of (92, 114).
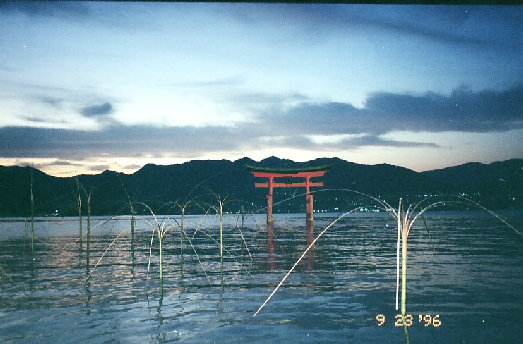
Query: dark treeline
(497, 186)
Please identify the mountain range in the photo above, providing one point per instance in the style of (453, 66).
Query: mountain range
(164, 189)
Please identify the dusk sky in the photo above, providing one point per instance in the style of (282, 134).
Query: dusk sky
(89, 86)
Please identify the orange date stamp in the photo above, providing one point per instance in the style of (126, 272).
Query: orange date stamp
(409, 320)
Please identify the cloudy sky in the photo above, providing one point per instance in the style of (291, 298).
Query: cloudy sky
(91, 86)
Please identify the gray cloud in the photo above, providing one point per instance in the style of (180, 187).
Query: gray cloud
(304, 142)
(46, 8)
(319, 119)
(54, 101)
(6, 68)
(442, 24)
(63, 163)
(373, 140)
(132, 167)
(453, 25)
(44, 165)
(294, 141)
(463, 110)
(138, 141)
(97, 168)
(113, 141)
(97, 110)
(224, 82)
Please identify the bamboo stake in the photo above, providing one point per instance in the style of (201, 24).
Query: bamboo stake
(182, 225)
(88, 245)
(404, 271)
(398, 256)
(133, 220)
(181, 232)
(80, 214)
(221, 231)
(32, 215)
(25, 231)
(160, 239)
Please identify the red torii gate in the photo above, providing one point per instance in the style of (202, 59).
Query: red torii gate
(306, 173)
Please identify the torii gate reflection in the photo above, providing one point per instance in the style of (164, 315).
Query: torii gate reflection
(288, 174)
(270, 245)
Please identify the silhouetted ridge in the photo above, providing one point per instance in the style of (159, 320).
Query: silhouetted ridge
(498, 186)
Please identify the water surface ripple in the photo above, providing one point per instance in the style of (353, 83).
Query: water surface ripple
(465, 267)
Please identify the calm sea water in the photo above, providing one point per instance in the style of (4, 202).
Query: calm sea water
(464, 269)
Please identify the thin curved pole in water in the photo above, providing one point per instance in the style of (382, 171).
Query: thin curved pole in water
(301, 257)
(405, 220)
(398, 257)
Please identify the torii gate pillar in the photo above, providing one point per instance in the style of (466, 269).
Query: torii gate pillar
(309, 210)
(269, 201)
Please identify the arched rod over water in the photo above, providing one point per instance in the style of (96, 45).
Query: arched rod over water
(406, 223)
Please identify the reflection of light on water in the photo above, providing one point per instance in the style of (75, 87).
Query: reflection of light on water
(348, 280)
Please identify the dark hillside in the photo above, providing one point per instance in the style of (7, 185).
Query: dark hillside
(498, 186)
